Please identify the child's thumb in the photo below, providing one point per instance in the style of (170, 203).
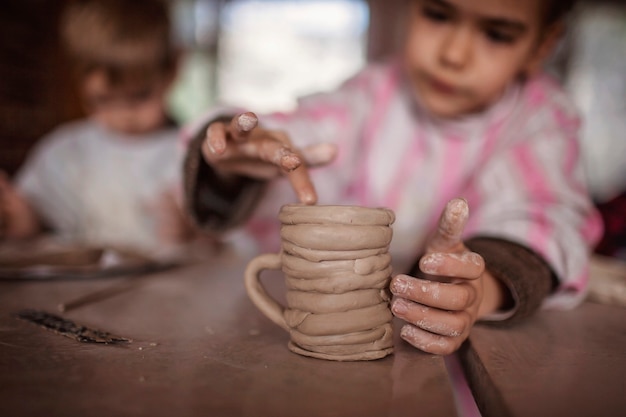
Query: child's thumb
(447, 237)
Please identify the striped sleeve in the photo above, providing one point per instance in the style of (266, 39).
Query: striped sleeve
(534, 194)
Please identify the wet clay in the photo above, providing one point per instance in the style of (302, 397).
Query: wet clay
(337, 269)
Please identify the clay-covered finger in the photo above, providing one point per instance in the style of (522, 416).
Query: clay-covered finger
(430, 342)
(267, 148)
(468, 265)
(214, 143)
(447, 238)
(302, 185)
(241, 125)
(249, 168)
(433, 320)
(441, 295)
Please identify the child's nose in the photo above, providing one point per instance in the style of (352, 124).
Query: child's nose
(456, 50)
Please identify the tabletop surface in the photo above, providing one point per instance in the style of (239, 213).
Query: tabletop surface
(199, 347)
(557, 363)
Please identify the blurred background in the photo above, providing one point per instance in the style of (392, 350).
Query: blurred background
(263, 54)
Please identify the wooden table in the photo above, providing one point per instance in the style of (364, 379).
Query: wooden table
(558, 363)
(200, 348)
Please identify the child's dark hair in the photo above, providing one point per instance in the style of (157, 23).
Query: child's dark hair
(128, 40)
(556, 10)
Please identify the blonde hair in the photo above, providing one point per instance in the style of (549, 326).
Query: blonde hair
(129, 40)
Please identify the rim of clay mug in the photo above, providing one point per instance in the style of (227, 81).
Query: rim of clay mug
(336, 214)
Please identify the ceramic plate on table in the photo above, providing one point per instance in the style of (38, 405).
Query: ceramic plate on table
(57, 261)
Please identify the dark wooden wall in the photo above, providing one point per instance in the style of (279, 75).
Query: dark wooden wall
(36, 92)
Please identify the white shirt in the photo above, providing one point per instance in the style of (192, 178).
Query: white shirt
(99, 187)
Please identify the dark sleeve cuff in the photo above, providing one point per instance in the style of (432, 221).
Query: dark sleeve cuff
(527, 275)
(216, 203)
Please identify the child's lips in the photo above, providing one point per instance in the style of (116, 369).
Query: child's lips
(443, 87)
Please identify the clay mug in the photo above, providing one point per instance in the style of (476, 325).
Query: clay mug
(337, 267)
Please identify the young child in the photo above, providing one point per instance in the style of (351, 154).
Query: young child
(466, 111)
(111, 179)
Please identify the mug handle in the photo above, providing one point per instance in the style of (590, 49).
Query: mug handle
(257, 293)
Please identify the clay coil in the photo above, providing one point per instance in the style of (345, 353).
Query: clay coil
(337, 236)
(343, 339)
(338, 323)
(312, 270)
(319, 303)
(352, 215)
(316, 255)
(364, 356)
(340, 283)
(374, 345)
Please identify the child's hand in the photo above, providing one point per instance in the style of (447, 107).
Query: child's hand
(17, 218)
(442, 308)
(173, 226)
(242, 148)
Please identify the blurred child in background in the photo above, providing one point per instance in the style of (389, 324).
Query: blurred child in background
(113, 178)
(465, 111)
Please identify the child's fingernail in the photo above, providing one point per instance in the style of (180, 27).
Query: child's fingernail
(399, 285)
(430, 263)
(408, 331)
(474, 258)
(247, 122)
(307, 197)
(399, 306)
(212, 148)
(290, 162)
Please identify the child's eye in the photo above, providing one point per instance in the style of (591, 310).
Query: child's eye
(498, 36)
(435, 14)
(98, 101)
(140, 96)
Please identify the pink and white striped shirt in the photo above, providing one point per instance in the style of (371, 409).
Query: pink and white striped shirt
(516, 163)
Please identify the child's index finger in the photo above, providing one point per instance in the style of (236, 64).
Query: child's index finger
(451, 225)
(302, 185)
(241, 125)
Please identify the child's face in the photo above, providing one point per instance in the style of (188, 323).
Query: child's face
(461, 55)
(124, 110)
